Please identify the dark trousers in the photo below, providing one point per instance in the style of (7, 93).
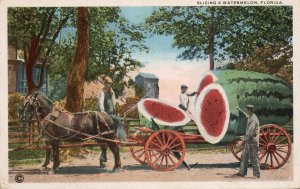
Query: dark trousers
(250, 151)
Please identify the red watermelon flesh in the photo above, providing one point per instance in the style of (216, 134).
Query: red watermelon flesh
(205, 81)
(164, 113)
(213, 113)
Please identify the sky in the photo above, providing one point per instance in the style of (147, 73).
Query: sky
(159, 46)
(162, 60)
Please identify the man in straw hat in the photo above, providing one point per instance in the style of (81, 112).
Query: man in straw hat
(107, 103)
(251, 143)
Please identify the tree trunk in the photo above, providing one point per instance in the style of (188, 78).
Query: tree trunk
(211, 41)
(76, 76)
(30, 60)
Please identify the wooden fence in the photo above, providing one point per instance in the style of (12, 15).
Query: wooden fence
(26, 132)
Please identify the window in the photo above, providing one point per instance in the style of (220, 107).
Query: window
(22, 81)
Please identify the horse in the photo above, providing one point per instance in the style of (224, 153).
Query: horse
(57, 125)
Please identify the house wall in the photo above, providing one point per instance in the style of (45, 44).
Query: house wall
(12, 69)
(12, 75)
(12, 53)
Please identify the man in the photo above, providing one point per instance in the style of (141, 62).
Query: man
(184, 98)
(107, 103)
(251, 143)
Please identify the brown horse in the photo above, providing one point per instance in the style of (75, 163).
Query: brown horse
(56, 125)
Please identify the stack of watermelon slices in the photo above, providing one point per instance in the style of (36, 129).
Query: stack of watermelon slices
(214, 108)
(221, 92)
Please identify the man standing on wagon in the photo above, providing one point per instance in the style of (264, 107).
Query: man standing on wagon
(251, 144)
(107, 103)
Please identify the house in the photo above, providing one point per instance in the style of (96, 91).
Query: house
(16, 73)
(149, 84)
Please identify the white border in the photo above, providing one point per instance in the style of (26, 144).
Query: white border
(295, 183)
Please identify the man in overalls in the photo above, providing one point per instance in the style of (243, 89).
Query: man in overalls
(251, 144)
(107, 103)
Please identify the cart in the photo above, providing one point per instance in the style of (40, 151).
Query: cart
(164, 149)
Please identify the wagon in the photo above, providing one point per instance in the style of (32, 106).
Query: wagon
(165, 149)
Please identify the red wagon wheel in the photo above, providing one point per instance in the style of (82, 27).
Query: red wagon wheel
(274, 147)
(138, 151)
(165, 150)
(236, 149)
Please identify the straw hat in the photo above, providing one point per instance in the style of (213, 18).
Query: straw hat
(107, 80)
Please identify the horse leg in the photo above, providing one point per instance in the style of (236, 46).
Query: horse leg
(103, 156)
(114, 147)
(47, 160)
(55, 151)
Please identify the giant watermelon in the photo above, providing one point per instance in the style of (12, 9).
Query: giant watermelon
(164, 113)
(216, 113)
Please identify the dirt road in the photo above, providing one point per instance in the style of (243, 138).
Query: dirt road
(211, 166)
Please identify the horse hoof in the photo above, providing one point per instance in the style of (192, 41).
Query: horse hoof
(54, 171)
(117, 170)
(44, 168)
(102, 165)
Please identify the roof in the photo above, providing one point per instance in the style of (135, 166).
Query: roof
(148, 76)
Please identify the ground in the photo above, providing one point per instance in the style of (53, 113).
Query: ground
(207, 166)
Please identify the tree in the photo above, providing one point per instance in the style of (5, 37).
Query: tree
(34, 30)
(75, 81)
(114, 40)
(273, 60)
(222, 32)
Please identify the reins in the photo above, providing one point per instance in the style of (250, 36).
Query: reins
(43, 124)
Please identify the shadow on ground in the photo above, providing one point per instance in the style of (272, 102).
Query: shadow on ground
(135, 167)
(215, 165)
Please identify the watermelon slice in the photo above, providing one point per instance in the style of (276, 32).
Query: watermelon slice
(212, 113)
(165, 114)
(205, 79)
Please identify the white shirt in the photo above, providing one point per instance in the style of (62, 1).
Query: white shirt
(101, 100)
(184, 100)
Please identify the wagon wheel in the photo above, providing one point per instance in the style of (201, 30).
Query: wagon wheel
(274, 147)
(236, 149)
(138, 151)
(165, 150)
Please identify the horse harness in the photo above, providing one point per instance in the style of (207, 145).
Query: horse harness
(54, 114)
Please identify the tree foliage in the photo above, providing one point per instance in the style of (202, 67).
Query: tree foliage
(34, 30)
(271, 60)
(114, 39)
(222, 32)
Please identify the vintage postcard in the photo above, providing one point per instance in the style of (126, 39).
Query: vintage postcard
(131, 94)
